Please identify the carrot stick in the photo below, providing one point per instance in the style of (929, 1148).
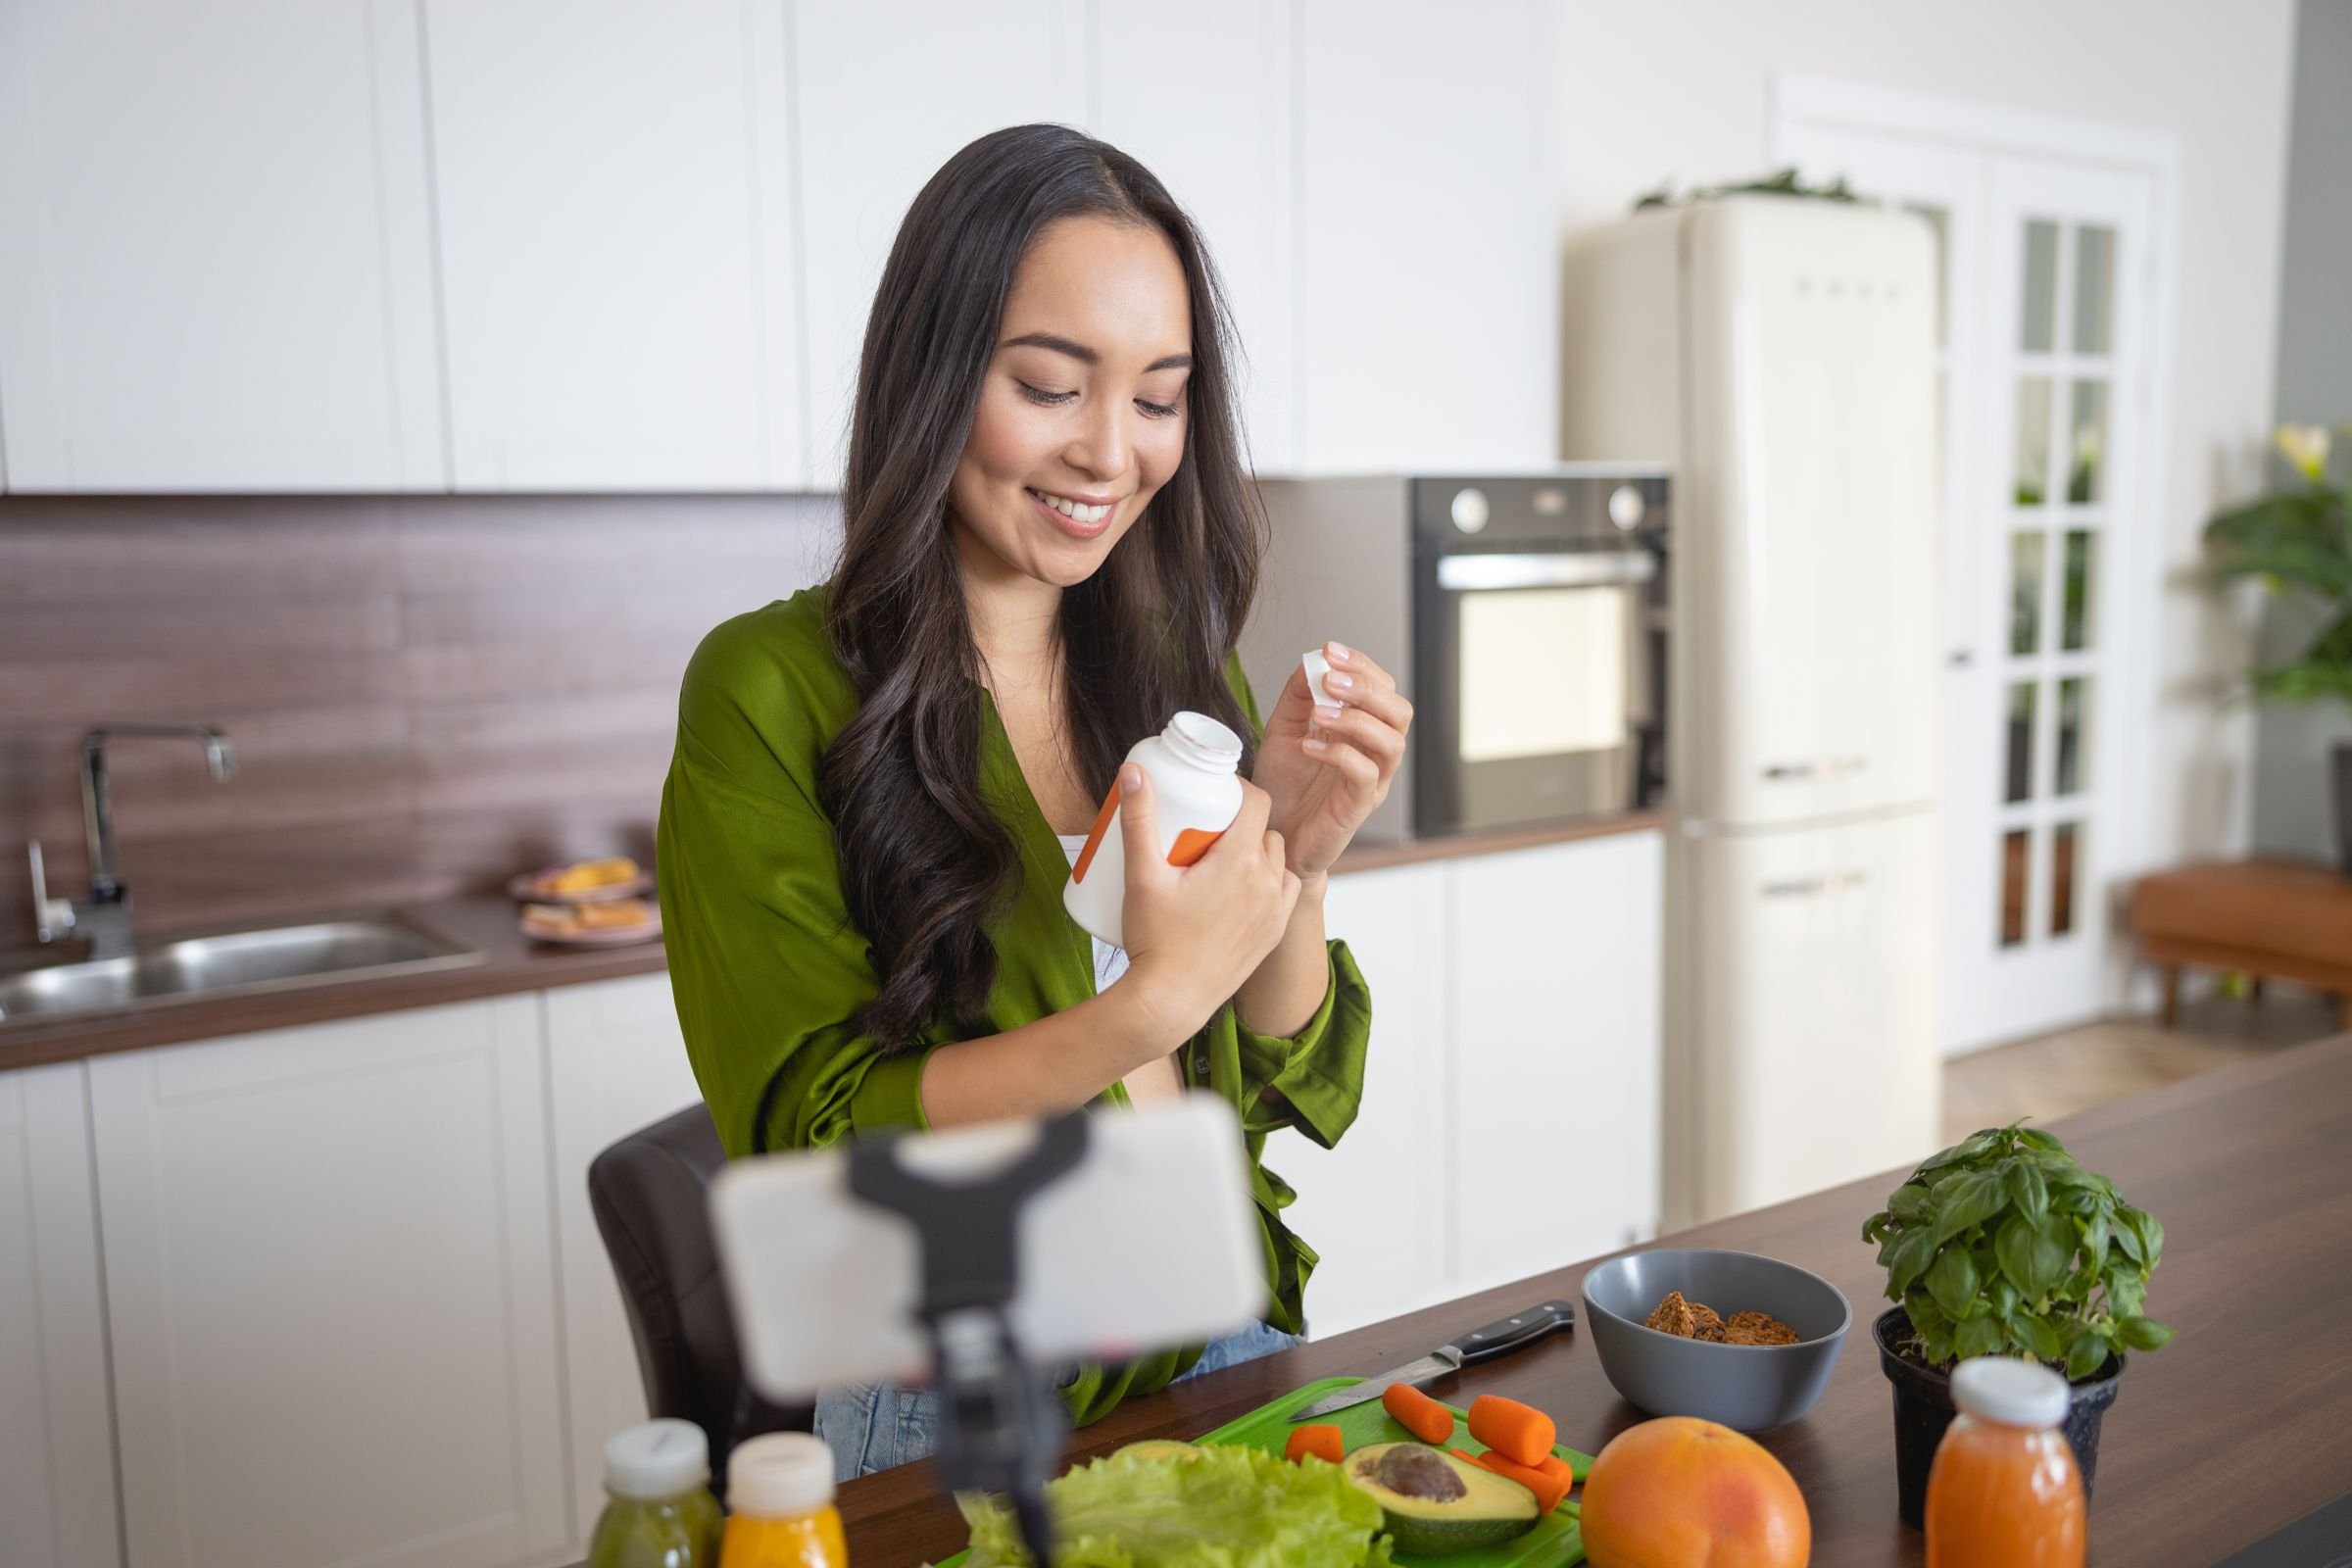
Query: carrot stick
(1517, 1430)
(1560, 1469)
(1321, 1440)
(1549, 1487)
(1424, 1417)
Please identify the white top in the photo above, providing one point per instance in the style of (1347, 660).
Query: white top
(779, 1474)
(2011, 1391)
(1109, 962)
(656, 1460)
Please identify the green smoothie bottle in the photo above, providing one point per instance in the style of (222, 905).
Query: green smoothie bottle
(659, 1512)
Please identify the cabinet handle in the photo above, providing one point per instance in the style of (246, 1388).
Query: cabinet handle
(1807, 887)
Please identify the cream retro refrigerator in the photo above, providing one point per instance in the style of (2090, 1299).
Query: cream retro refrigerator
(1779, 353)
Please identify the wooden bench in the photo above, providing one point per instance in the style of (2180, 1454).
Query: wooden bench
(2270, 918)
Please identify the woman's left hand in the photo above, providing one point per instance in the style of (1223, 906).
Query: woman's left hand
(1325, 784)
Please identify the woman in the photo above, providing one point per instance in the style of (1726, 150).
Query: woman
(1050, 548)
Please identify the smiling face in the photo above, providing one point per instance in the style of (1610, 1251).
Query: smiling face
(1082, 410)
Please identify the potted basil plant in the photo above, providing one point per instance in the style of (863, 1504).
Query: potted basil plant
(2003, 1245)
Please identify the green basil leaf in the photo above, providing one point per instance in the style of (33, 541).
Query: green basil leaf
(2064, 1172)
(1910, 1259)
(2126, 1293)
(2144, 1333)
(1953, 1280)
(2033, 1255)
(1911, 1203)
(1979, 1336)
(2094, 1242)
(2029, 1189)
(2127, 1237)
(2037, 1336)
(2151, 1234)
(1926, 1316)
(2035, 1138)
(1966, 1149)
(1974, 1195)
(1874, 1228)
(2088, 1356)
(2073, 1200)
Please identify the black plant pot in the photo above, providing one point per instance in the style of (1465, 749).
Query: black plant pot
(1923, 1408)
(2343, 805)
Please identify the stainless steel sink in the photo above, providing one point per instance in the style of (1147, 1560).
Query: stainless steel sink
(191, 969)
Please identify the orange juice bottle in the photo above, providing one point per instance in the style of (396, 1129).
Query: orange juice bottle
(2004, 1492)
(780, 1495)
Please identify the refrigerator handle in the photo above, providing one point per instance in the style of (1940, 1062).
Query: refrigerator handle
(1809, 887)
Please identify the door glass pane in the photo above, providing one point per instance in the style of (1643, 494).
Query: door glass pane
(2039, 288)
(2014, 845)
(2081, 560)
(2025, 591)
(2074, 701)
(2063, 842)
(2032, 440)
(2018, 776)
(2094, 289)
(1935, 220)
(2086, 443)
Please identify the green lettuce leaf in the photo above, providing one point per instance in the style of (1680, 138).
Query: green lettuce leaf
(1231, 1507)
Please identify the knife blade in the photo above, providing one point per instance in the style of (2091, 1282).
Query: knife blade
(1514, 1333)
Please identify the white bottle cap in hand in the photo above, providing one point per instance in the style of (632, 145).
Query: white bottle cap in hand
(1317, 667)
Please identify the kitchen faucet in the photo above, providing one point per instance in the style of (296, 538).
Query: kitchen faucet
(102, 916)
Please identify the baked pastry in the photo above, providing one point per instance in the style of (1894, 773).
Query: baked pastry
(584, 876)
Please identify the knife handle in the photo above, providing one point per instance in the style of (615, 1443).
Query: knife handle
(1513, 1331)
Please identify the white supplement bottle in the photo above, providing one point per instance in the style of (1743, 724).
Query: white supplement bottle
(1195, 795)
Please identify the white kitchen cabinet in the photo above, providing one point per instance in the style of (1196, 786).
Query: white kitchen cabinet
(1234, 171)
(331, 1290)
(618, 259)
(1376, 1208)
(1426, 271)
(214, 263)
(886, 92)
(1555, 957)
(615, 1062)
(57, 1463)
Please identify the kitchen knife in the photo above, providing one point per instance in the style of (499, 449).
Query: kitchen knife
(1513, 1333)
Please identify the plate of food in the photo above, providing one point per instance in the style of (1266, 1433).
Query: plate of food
(594, 881)
(611, 923)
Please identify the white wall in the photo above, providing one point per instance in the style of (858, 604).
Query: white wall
(2291, 801)
(1682, 91)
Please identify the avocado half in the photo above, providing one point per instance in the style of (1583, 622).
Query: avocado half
(1161, 1448)
(1433, 1505)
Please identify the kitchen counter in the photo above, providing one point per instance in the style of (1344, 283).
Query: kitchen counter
(2228, 1434)
(513, 962)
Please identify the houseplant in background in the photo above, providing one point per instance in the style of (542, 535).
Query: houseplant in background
(2003, 1245)
(2298, 543)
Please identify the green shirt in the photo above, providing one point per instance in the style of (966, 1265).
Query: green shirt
(767, 970)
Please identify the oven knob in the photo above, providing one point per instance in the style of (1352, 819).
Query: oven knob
(1470, 509)
(1625, 507)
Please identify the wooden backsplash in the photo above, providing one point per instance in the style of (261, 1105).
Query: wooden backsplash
(426, 694)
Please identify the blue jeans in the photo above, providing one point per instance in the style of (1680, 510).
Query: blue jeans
(872, 1425)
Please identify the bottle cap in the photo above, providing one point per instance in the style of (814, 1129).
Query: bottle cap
(1317, 667)
(1203, 742)
(780, 1473)
(2014, 1392)
(657, 1460)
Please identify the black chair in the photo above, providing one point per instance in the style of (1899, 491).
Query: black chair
(650, 1193)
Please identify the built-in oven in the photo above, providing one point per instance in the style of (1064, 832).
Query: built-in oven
(1526, 615)
(1540, 641)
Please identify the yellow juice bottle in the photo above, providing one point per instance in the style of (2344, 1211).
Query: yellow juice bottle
(780, 1501)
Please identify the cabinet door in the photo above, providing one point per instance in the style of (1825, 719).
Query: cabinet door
(1233, 171)
(1377, 1207)
(612, 184)
(887, 91)
(1555, 957)
(331, 1281)
(57, 1460)
(615, 1062)
(214, 270)
(1427, 308)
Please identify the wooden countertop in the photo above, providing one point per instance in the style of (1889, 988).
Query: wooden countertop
(2229, 1433)
(512, 961)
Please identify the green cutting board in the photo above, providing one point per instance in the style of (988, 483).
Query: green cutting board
(1555, 1543)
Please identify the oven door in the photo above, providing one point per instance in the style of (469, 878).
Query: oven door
(1537, 687)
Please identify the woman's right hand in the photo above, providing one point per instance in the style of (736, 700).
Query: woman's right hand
(1194, 933)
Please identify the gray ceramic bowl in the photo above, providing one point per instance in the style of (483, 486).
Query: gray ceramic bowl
(1745, 1387)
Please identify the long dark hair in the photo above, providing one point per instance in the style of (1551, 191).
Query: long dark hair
(926, 867)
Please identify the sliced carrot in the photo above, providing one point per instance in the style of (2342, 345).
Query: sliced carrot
(1320, 1438)
(1424, 1417)
(1519, 1432)
(1560, 1469)
(1466, 1458)
(1547, 1486)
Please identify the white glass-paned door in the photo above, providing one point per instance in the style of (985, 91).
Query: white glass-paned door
(2043, 376)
